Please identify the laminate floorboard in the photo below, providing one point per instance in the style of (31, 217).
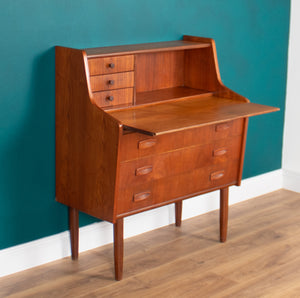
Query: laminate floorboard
(261, 258)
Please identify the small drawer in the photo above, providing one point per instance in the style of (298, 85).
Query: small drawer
(135, 198)
(113, 97)
(109, 65)
(112, 81)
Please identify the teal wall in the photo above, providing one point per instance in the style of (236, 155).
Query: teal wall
(251, 38)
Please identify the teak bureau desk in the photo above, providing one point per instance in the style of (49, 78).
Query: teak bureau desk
(142, 126)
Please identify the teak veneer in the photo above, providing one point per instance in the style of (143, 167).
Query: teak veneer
(142, 126)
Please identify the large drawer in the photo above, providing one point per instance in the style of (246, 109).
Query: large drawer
(112, 81)
(172, 163)
(109, 65)
(157, 192)
(137, 145)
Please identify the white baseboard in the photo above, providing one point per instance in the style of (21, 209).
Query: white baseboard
(291, 180)
(48, 249)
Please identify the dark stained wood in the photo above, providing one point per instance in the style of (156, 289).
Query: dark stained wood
(165, 46)
(223, 213)
(178, 213)
(74, 232)
(142, 126)
(118, 248)
(188, 113)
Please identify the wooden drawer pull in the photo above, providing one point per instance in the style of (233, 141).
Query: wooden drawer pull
(216, 175)
(144, 144)
(143, 171)
(141, 196)
(222, 126)
(220, 152)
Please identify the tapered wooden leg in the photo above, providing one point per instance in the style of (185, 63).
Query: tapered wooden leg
(118, 248)
(74, 230)
(223, 213)
(178, 213)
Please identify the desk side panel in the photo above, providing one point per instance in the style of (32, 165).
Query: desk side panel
(202, 69)
(86, 141)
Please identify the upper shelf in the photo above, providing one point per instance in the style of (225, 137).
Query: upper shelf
(170, 116)
(145, 48)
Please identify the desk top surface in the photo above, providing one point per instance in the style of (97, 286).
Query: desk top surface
(177, 115)
(145, 48)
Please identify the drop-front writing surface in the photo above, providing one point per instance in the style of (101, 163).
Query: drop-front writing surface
(142, 126)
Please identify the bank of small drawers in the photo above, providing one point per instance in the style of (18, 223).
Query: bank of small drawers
(112, 80)
(159, 169)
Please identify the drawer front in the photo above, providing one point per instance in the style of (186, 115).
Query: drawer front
(183, 185)
(109, 65)
(113, 97)
(179, 161)
(112, 81)
(136, 145)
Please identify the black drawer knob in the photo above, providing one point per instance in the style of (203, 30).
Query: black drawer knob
(111, 82)
(111, 65)
(110, 98)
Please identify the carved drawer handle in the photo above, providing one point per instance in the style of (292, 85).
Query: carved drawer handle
(143, 171)
(220, 152)
(144, 144)
(141, 196)
(222, 126)
(216, 175)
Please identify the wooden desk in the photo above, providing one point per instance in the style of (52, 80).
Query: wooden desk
(142, 126)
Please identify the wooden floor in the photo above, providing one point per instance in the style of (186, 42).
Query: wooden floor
(261, 258)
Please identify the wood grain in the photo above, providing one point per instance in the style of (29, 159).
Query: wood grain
(112, 81)
(118, 248)
(142, 126)
(74, 232)
(174, 93)
(261, 259)
(188, 113)
(167, 190)
(145, 48)
(108, 65)
(223, 213)
(156, 71)
(81, 128)
(131, 149)
(111, 98)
